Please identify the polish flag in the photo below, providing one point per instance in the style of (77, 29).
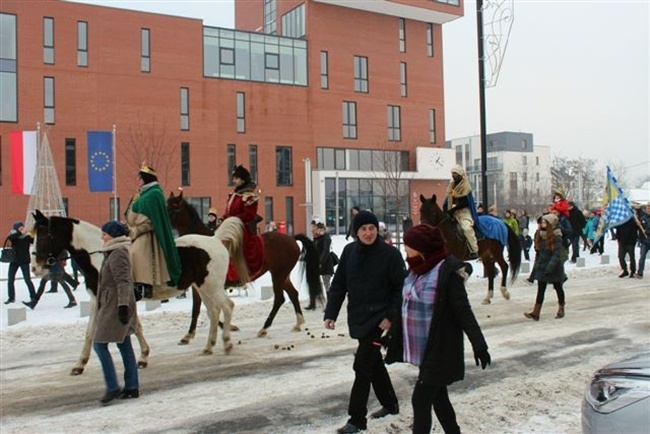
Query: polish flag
(23, 161)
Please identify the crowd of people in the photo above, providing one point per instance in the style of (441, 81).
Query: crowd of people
(418, 314)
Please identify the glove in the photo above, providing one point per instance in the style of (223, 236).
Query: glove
(123, 314)
(483, 357)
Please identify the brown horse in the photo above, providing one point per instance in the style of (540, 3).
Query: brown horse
(281, 253)
(489, 250)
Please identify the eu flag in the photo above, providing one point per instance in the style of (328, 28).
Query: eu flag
(100, 160)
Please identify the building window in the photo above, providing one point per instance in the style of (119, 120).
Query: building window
(70, 162)
(283, 166)
(513, 182)
(8, 79)
(48, 99)
(537, 177)
(449, 2)
(524, 176)
(289, 214)
(524, 160)
(394, 128)
(241, 112)
(293, 22)
(402, 78)
(82, 43)
(270, 25)
(432, 126)
(185, 164)
(252, 162)
(536, 161)
(145, 54)
(349, 120)
(185, 109)
(430, 40)
(402, 35)
(48, 40)
(268, 208)
(231, 159)
(113, 208)
(324, 71)
(251, 56)
(360, 74)
(201, 204)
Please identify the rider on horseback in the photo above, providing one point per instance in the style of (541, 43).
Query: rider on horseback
(242, 203)
(154, 257)
(460, 205)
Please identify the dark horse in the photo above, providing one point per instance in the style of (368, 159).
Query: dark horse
(281, 253)
(489, 250)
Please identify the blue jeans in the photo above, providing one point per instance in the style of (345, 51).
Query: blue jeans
(11, 277)
(643, 252)
(130, 365)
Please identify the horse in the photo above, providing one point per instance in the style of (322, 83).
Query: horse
(204, 261)
(281, 253)
(489, 250)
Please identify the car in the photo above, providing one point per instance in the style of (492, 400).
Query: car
(617, 397)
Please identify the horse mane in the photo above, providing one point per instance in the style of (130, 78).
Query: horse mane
(177, 204)
(231, 231)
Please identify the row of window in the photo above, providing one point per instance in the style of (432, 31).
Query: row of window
(82, 44)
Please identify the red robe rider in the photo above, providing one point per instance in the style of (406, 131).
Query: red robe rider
(242, 203)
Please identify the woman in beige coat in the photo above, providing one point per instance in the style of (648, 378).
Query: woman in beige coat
(116, 312)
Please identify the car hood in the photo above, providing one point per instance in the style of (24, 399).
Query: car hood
(637, 366)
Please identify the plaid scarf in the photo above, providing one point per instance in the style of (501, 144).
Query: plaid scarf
(418, 300)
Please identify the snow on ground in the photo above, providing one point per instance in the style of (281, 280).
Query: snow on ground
(535, 383)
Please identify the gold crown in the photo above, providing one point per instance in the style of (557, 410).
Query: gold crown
(147, 169)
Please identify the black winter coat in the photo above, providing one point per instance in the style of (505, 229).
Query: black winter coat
(20, 244)
(577, 220)
(372, 278)
(444, 358)
(549, 264)
(323, 246)
(627, 233)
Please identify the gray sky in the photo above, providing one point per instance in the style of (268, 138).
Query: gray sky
(575, 74)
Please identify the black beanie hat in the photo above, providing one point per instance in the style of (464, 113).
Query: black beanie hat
(115, 229)
(18, 225)
(425, 238)
(364, 218)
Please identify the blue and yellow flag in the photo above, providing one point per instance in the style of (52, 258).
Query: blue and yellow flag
(100, 160)
(616, 208)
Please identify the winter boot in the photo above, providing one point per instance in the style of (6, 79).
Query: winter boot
(560, 311)
(534, 315)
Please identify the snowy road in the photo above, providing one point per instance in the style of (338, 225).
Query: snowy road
(299, 382)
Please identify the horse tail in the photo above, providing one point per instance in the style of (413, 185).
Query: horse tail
(231, 233)
(312, 268)
(514, 253)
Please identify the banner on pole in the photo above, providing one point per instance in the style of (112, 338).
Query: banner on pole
(100, 160)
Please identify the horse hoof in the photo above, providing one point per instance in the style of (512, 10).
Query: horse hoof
(505, 293)
(206, 352)
(486, 301)
(184, 341)
(228, 349)
(261, 333)
(77, 371)
(234, 328)
(142, 365)
(296, 328)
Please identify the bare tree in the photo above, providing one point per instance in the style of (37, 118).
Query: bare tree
(146, 142)
(581, 178)
(390, 161)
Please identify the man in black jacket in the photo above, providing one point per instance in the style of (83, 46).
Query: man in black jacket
(20, 242)
(626, 236)
(578, 222)
(371, 274)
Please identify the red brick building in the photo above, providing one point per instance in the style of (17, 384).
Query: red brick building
(354, 87)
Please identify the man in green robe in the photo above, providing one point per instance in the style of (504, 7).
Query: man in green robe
(154, 257)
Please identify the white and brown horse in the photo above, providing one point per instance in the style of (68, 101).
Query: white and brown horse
(204, 260)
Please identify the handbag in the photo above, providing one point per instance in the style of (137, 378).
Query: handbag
(335, 258)
(8, 254)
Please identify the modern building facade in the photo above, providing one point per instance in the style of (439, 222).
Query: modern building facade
(518, 172)
(330, 103)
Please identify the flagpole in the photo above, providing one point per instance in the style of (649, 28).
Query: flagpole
(115, 211)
